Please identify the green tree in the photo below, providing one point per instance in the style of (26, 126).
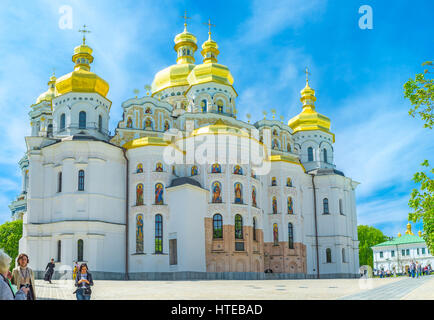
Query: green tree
(368, 236)
(420, 92)
(10, 234)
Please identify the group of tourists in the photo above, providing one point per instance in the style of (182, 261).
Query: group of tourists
(416, 269)
(20, 283)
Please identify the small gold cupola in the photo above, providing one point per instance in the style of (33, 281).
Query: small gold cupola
(408, 231)
(309, 119)
(210, 49)
(50, 93)
(185, 45)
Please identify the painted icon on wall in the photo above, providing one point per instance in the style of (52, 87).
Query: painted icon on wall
(275, 234)
(274, 205)
(139, 168)
(159, 167)
(139, 194)
(290, 206)
(194, 170)
(139, 233)
(216, 192)
(238, 193)
(254, 197)
(159, 194)
(216, 168)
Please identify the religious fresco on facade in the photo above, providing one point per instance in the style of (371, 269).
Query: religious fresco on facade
(139, 168)
(216, 168)
(159, 167)
(139, 194)
(254, 197)
(129, 123)
(273, 181)
(216, 192)
(275, 235)
(290, 206)
(274, 203)
(288, 148)
(166, 125)
(139, 233)
(148, 110)
(159, 194)
(148, 123)
(194, 171)
(288, 182)
(238, 170)
(238, 193)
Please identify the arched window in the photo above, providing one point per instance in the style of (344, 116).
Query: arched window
(59, 250)
(275, 234)
(139, 194)
(325, 155)
(220, 106)
(290, 236)
(325, 204)
(254, 197)
(343, 255)
(238, 190)
(238, 170)
(288, 147)
(81, 180)
(194, 171)
(139, 168)
(139, 233)
(159, 194)
(50, 130)
(216, 168)
(238, 227)
(341, 209)
(82, 120)
(329, 255)
(159, 167)
(216, 192)
(59, 182)
(62, 122)
(100, 123)
(203, 105)
(254, 228)
(309, 154)
(80, 250)
(217, 226)
(158, 233)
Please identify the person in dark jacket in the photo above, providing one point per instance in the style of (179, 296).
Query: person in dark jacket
(83, 282)
(49, 270)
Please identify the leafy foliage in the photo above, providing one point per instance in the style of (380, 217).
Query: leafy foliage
(10, 234)
(368, 237)
(420, 92)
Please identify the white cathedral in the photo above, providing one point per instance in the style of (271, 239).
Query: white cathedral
(117, 203)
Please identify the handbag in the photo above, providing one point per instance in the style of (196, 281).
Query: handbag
(87, 291)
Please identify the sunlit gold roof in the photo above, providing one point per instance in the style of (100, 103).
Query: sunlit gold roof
(210, 70)
(82, 79)
(50, 93)
(176, 75)
(309, 119)
(220, 128)
(145, 141)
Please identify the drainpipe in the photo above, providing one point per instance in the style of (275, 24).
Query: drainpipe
(316, 225)
(126, 210)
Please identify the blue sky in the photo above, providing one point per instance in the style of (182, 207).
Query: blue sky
(358, 74)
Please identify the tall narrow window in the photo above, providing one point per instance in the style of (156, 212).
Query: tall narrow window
(290, 236)
(100, 123)
(81, 180)
(325, 203)
(62, 122)
(82, 120)
(217, 226)
(275, 234)
(254, 228)
(343, 256)
(309, 154)
(238, 227)
(341, 209)
(59, 250)
(325, 155)
(50, 130)
(59, 182)
(329, 255)
(158, 233)
(203, 105)
(80, 250)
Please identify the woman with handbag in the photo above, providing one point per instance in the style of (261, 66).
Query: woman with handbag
(7, 292)
(83, 282)
(22, 276)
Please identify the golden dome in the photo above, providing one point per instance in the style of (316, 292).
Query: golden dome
(220, 128)
(82, 79)
(408, 231)
(399, 234)
(210, 70)
(50, 93)
(176, 75)
(309, 119)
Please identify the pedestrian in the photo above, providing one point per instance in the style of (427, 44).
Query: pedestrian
(413, 269)
(75, 270)
(419, 269)
(6, 290)
(83, 282)
(22, 276)
(49, 270)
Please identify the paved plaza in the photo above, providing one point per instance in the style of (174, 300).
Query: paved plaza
(330, 289)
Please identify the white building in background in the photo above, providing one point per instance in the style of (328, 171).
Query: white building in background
(397, 254)
(116, 203)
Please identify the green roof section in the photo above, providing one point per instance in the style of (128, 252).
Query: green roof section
(405, 239)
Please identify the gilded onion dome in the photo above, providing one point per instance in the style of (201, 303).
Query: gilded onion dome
(210, 70)
(50, 93)
(82, 79)
(176, 75)
(309, 119)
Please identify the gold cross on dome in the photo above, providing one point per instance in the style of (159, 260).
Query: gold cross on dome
(307, 74)
(185, 19)
(84, 31)
(209, 25)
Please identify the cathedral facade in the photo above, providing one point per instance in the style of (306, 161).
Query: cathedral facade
(164, 197)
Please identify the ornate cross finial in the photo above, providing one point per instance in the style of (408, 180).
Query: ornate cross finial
(307, 74)
(273, 112)
(136, 92)
(209, 24)
(84, 31)
(185, 19)
(148, 89)
(54, 71)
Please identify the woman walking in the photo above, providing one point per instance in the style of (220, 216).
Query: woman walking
(6, 291)
(49, 270)
(83, 282)
(22, 276)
